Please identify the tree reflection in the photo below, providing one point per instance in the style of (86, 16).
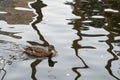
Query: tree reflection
(87, 9)
(14, 15)
(113, 20)
(38, 5)
(110, 50)
(77, 25)
(11, 34)
(36, 62)
(33, 66)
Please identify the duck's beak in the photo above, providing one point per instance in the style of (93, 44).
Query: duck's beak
(54, 51)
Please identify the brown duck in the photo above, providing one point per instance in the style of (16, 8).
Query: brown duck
(40, 52)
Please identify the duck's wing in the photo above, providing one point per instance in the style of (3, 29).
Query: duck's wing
(39, 52)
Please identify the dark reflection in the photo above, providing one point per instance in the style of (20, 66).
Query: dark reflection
(51, 63)
(76, 46)
(38, 5)
(14, 16)
(79, 10)
(36, 62)
(114, 4)
(92, 13)
(110, 50)
(33, 66)
(77, 25)
(87, 10)
(117, 43)
(11, 34)
(76, 8)
(84, 8)
(113, 19)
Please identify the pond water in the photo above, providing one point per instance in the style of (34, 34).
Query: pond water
(85, 33)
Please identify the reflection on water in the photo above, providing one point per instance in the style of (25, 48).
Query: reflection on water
(35, 63)
(77, 25)
(11, 34)
(110, 50)
(94, 11)
(38, 6)
(112, 19)
(33, 66)
(14, 15)
(97, 25)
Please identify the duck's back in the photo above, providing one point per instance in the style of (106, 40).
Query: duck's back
(37, 52)
(40, 52)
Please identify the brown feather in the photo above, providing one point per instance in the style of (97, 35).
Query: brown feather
(38, 52)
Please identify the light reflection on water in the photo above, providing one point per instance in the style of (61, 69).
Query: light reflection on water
(85, 35)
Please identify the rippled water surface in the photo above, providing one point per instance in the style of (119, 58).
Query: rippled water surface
(85, 33)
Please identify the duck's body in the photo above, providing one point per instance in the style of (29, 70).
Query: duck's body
(39, 52)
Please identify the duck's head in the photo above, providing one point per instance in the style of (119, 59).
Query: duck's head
(51, 49)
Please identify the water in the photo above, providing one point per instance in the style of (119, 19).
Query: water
(85, 34)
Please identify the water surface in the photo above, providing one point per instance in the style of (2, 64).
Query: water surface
(85, 33)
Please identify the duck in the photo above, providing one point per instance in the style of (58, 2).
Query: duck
(40, 52)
